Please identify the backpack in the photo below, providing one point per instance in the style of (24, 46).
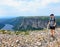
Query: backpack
(52, 22)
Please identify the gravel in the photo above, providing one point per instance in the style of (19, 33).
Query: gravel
(34, 39)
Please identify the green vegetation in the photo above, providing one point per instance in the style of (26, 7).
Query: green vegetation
(26, 33)
(5, 32)
(14, 32)
(58, 21)
(17, 32)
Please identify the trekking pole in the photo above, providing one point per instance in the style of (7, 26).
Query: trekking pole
(46, 28)
(47, 31)
(48, 34)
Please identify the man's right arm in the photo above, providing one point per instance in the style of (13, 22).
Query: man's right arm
(48, 24)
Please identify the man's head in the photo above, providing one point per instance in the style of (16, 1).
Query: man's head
(52, 15)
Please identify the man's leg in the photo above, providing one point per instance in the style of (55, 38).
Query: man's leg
(52, 32)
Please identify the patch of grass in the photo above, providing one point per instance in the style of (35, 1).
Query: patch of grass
(22, 32)
(3, 31)
(17, 32)
(9, 32)
(27, 33)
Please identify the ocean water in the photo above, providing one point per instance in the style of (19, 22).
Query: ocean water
(7, 27)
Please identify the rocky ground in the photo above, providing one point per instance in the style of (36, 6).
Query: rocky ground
(33, 39)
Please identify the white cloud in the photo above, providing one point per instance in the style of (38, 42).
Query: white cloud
(2, 12)
(55, 10)
(46, 2)
(27, 5)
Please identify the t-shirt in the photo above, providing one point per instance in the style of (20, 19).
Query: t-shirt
(52, 21)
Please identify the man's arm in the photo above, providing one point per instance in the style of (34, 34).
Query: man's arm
(48, 25)
(55, 24)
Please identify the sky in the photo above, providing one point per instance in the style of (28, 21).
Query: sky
(15, 8)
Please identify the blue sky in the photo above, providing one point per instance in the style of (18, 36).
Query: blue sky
(15, 8)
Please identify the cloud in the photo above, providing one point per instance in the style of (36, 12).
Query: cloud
(2, 12)
(26, 5)
(32, 6)
(55, 10)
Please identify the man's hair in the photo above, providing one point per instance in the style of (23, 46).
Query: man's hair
(51, 14)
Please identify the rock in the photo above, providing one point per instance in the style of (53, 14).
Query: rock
(12, 45)
(17, 41)
(36, 46)
(38, 43)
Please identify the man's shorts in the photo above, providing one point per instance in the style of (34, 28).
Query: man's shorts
(52, 27)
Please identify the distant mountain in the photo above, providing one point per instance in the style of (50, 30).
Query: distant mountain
(27, 23)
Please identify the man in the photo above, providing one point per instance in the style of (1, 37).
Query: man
(52, 24)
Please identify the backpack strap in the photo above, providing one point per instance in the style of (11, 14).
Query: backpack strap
(52, 19)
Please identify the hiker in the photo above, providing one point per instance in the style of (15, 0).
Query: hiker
(52, 24)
